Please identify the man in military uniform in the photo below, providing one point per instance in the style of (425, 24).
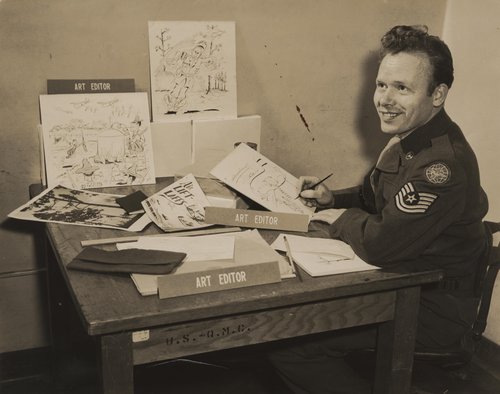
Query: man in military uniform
(421, 207)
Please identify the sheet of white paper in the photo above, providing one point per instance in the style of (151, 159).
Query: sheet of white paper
(332, 247)
(318, 264)
(199, 248)
(258, 178)
(179, 205)
(322, 256)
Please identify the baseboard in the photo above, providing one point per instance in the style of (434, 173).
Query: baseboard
(488, 357)
(32, 363)
(24, 364)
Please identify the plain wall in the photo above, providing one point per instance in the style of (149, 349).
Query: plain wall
(472, 31)
(317, 55)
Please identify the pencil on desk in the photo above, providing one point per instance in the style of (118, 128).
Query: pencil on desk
(209, 231)
(290, 259)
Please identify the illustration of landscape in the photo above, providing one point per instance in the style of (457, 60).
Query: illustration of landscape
(193, 70)
(97, 140)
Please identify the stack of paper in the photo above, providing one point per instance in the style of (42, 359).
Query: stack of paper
(209, 252)
(322, 256)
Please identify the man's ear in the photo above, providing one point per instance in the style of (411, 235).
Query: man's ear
(439, 95)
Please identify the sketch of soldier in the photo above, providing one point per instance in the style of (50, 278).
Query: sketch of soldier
(186, 68)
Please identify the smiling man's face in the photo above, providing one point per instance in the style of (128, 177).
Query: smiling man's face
(402, 96)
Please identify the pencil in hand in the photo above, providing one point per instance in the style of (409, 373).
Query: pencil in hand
(311, 187)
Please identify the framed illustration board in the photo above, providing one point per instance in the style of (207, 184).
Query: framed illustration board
(97, 140)
(193, 70)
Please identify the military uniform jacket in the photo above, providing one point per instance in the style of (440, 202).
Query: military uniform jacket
(421, 207)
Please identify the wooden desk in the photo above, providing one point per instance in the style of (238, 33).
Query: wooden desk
(131, 329)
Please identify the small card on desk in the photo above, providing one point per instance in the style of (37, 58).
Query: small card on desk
(132, 202)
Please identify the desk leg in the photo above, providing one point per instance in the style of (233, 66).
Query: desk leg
(117, 366)
(72, 350)
(396, 345)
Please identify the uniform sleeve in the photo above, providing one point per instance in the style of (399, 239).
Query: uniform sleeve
(356, 197)
(348, 198)
(416, 213)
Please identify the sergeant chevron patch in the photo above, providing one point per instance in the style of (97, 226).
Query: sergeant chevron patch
(408, 200)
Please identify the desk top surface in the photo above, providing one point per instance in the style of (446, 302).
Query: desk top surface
(109, 303)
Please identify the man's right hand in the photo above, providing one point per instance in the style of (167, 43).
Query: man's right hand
(319, 196)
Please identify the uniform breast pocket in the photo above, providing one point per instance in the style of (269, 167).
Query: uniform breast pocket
(387, 188)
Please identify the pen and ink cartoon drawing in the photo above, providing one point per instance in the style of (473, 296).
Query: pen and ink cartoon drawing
(179, 205)
(193, 70)
(258, 178)
(97, 140)
(60, 204)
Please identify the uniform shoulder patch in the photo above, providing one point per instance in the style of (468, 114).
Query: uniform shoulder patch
(437, 172)
(408, 200)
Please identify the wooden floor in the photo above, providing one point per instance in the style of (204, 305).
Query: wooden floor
(242, 372)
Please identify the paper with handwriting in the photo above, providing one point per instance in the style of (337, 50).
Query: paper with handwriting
(180, 205)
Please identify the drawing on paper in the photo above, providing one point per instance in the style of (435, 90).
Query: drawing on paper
(193, 70)
(258, 178)
(97, 140)
(64, 205)
(180, 205)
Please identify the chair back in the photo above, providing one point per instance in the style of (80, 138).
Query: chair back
(485, 280)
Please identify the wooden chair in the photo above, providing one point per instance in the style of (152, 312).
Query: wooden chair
(458, 359)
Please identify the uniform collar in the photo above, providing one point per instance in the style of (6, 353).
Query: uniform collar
(421, 137)
(414, 142)
(389, 158)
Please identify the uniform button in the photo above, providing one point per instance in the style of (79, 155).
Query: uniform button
(409, 156)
